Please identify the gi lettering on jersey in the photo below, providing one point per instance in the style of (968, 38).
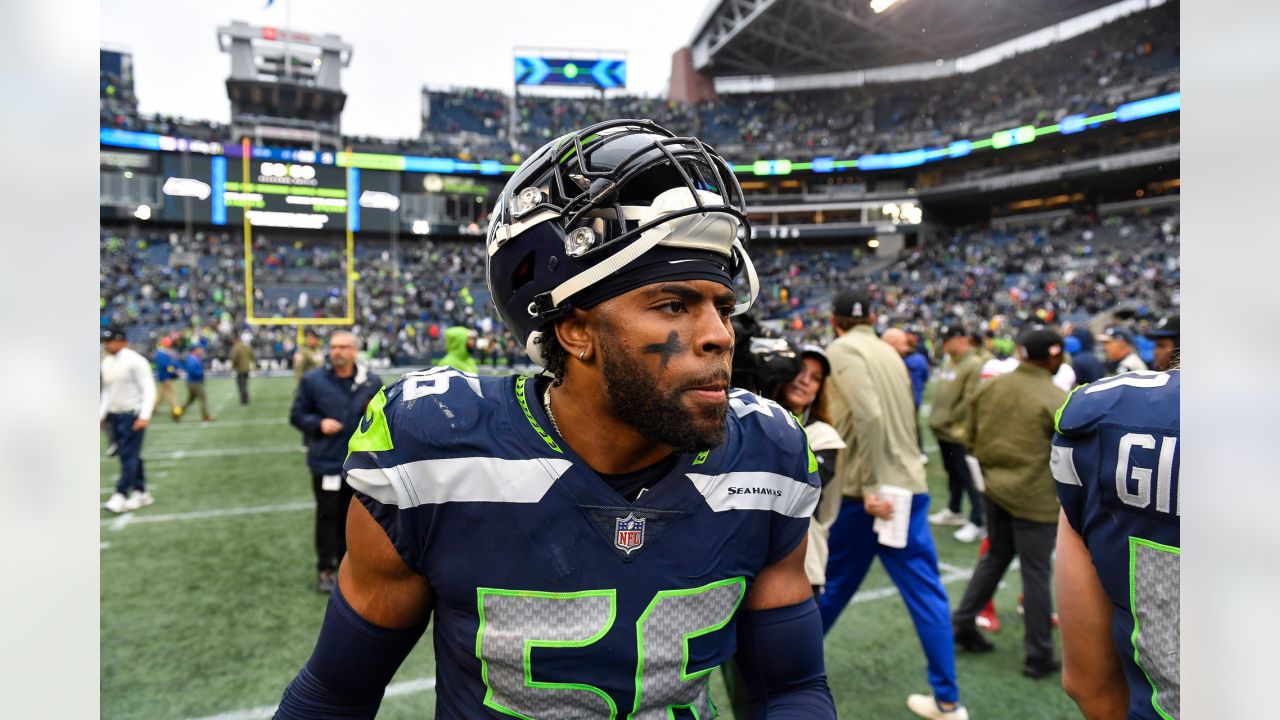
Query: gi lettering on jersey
(629, 533)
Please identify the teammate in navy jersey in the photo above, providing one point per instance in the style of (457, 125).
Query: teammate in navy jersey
(592, 543)
(1116, 460)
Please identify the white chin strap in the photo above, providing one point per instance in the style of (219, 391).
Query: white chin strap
(715, 232)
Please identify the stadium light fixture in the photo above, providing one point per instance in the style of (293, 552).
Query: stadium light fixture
(143, 212)
(879, 6)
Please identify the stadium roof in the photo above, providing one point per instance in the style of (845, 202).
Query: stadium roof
(782, 37)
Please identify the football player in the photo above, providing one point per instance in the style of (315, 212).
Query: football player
(1116, 460)
(593, 543)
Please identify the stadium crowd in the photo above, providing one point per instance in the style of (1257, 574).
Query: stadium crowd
(1071, 270)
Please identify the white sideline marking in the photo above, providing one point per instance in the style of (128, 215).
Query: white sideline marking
(950, 574)
(406, 687)
(205, 514)
(216, 452)
(201, 425)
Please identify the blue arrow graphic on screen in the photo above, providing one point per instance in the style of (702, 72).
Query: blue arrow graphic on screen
(538, 71)
(609, 73)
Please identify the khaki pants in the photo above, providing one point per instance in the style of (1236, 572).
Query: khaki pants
(195, 391)
(165, 394)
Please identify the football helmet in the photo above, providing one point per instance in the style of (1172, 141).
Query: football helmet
(607, 209)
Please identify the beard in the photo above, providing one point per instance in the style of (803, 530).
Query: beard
(636, 397)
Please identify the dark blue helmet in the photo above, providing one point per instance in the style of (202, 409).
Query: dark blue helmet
(607, 209)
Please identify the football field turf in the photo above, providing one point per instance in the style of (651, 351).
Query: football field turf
(209, 608)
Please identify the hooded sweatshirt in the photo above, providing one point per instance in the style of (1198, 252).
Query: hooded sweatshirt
(456, 354)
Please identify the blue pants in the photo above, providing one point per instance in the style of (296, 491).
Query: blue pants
(913, 569)
(129, 443)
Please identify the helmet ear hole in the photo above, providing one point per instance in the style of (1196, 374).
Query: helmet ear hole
(524, 272)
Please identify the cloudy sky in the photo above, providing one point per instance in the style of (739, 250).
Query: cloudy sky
(399, 45)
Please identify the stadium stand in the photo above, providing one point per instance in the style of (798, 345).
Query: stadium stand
(1067, 270)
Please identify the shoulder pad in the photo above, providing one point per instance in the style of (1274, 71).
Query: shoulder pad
(432, 406)
(760, 418)
(1131, 398)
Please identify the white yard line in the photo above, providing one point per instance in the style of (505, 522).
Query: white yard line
(201, 425)
(406, 687)
(131, 519)
(109, 490)
(214, 452)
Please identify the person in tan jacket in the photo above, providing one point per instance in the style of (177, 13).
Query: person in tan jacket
(1010, 432)
(871, 407)
(956, 384)
(242, 360)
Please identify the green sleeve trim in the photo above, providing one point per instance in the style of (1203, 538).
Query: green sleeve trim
(373, 434)
(1057, 417)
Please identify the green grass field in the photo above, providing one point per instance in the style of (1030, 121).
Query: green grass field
(209, 608)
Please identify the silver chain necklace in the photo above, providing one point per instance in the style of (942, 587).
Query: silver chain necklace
(546, 404)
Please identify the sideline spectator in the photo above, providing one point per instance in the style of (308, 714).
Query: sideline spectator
(128, 398)
(166, 376)
(958, 380)
(871, 406)
(1166, 333)
(328, 407)
(458, 344)
(194, 365)
(1085, 362)
(1010, 430)
(242, 360)
(1117, 343)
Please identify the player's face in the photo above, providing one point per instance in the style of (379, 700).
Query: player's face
(1164, 352)
(803, 388)
(666, 352)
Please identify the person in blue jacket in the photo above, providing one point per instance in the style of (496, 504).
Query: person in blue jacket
(193, 363)
(327, 408)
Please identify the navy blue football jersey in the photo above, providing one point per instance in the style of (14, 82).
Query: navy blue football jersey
(1116, 460)
(555, 596)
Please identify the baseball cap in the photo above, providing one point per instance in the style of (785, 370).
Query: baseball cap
(854, 302)
(1116, 333)
(113, 332)
(1040, 344)
(819, 353)
(1166, 328)
(952, 330)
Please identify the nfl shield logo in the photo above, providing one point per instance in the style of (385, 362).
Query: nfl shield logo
(629, 535)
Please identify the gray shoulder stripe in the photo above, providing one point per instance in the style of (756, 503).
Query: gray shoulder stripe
(476, 479)
(757, 491)
(1063, 466)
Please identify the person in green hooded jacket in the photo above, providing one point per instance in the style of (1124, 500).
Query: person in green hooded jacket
(458, 344)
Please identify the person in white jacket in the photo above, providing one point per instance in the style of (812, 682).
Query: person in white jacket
(128, 397)
(803, 397)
